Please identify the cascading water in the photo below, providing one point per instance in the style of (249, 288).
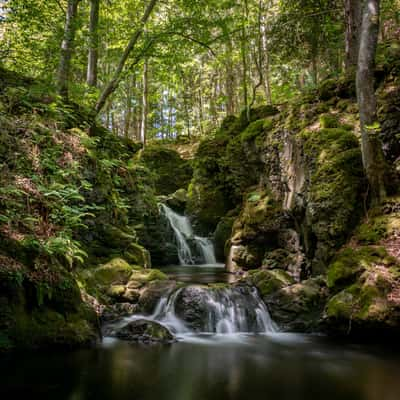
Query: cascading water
(184, 236)
(201, 310)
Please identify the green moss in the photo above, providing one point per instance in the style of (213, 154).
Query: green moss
(156, 274)
(268, 282)
(115, 271)
(328, 121)
(360, 303)
(116, 291)
(350, 263)
(138, 255)
(381, 223)
(252, 131)
(222, 234)
(334, 159)
(161, 161)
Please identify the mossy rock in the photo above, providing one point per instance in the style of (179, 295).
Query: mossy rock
(116, 271)
(30, 326)
(328, 121)
(350, 263)
(364, 282)
(138, 255)
(383, 222)
(144, 331)
(260, 220)
(177, 201)
(222, 234)
(171, 172)
(365, 305)
(277, 259)
(248, 256)
(207, 205)
(152, 294)
(336, 184)
(116, 291)
(268, 282)
(298, 307)
(146, 276)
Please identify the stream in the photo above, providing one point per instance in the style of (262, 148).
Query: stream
(236, 352)
(276, 366)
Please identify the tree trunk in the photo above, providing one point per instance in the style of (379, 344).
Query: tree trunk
(93, 43)
(67, 47)
(230, 80)
(115, 80)
(145, 106)
(373, 158)
(353, 19)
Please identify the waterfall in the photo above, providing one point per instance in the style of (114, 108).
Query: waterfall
(220, 311)
(191, 248)
(207, 249)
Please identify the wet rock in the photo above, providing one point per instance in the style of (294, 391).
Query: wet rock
(117, 311)
(177, 201)
(144, 331)
(152, 294)
(131, 296)
(221, 235)
(191, 306)
(268, 282)
(298, 307)
(364, 283)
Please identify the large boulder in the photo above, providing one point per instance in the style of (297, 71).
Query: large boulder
(152, 294)
(191, 307)
(268, 282)
(222, 234)
(177, 200)
(298, 307)
(144, 331)
(365, 285)
(43, 309)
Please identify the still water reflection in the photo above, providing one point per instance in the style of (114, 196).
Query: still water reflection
(279, 367)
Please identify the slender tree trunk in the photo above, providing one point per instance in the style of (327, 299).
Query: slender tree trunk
(145, 105)
(353, 19)
(115, 80)
(264, 42)
(373, 158)
(128, 111)
(230, 81)
(93, 55)
(67, 47)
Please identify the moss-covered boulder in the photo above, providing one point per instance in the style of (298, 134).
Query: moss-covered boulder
(153, 292)
(170, 171)
(368, 306)
(42, 308)
(364, 283)
(268, 282)
(222, 234)
(298, 307)
(144, 331)
(177, 200)
(116, 271)
(364, 278)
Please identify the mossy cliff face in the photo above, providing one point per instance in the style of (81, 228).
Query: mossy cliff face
(169, 170)
(121, 288)
(42, 308)
(293, 184)
(364, 278)
(297, 173)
